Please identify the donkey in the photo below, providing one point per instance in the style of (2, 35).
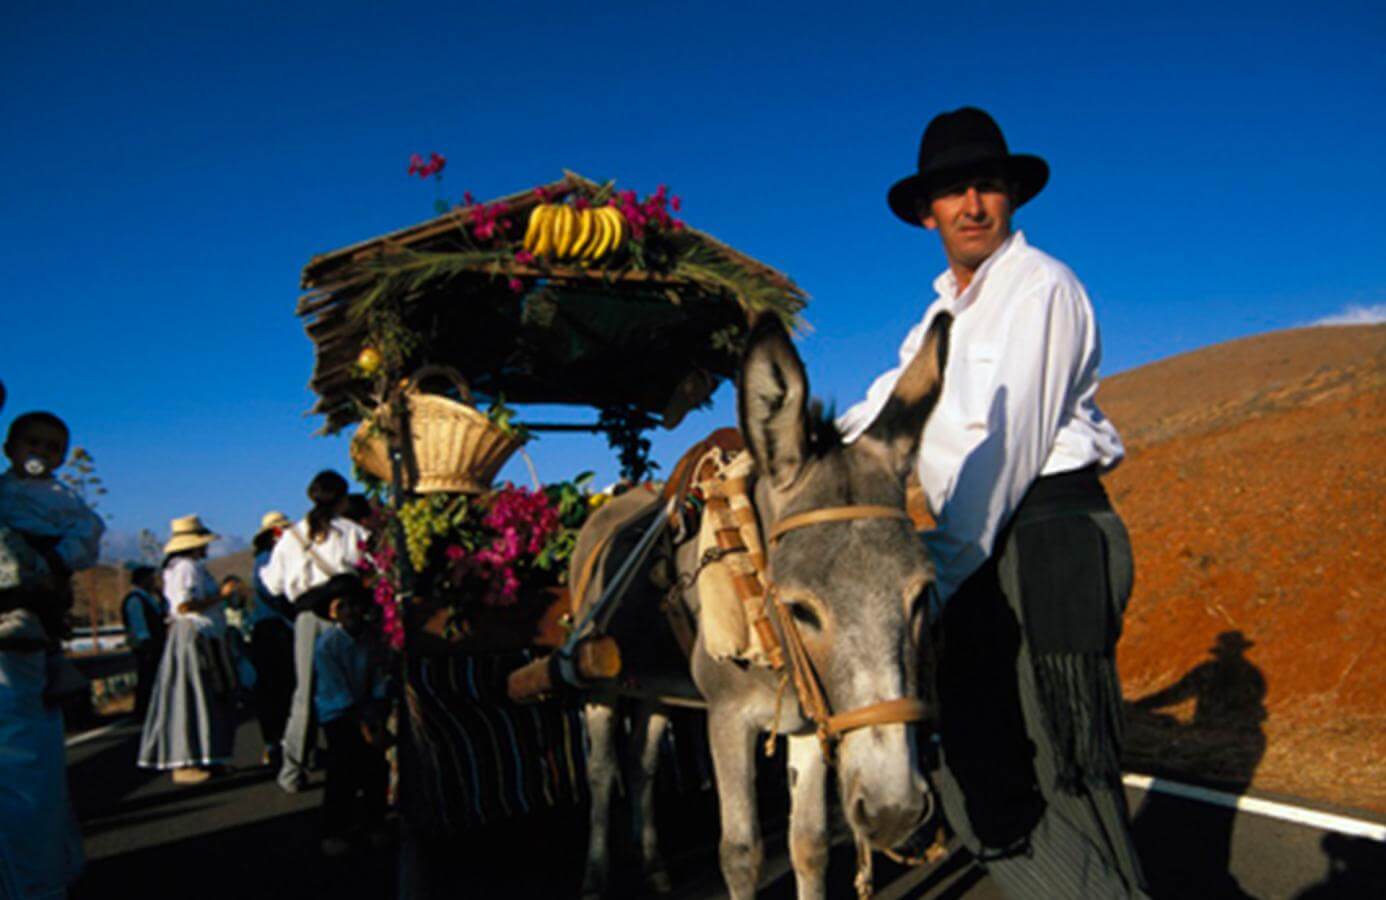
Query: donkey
(856, 590)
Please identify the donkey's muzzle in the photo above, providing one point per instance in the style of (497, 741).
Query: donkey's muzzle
(887, 822)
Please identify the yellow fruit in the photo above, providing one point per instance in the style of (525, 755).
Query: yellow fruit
(601, 237)
(597, 501)
(536, 220)
(565, 224)
(543, 242)
(586, 230)
(619, 221)
(614, 230)
(369, 361)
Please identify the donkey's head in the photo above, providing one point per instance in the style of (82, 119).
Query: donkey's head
(855, 589)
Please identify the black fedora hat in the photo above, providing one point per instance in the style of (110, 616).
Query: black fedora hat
(956, 144)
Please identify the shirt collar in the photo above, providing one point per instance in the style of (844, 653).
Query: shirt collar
(946, 284)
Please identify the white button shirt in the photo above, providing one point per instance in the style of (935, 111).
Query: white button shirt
(1017, 401)
(188, 579)
(292, 570)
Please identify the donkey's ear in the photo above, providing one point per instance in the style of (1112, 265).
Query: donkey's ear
(901, 422)
(772, 402)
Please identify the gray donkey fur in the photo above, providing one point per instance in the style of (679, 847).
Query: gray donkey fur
(857, 591)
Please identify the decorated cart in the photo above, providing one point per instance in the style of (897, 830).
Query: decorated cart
(426, 341)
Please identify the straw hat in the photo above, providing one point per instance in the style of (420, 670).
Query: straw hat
(188, 534)
(273, 519)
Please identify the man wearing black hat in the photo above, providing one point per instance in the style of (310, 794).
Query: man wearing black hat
(1033, 566)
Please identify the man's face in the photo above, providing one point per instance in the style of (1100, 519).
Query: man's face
(972, 216)
(37, 441)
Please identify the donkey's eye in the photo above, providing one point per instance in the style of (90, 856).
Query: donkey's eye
(803, 614)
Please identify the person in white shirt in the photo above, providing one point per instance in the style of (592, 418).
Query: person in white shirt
(190, 727)
(324, 544)
(1033, 566)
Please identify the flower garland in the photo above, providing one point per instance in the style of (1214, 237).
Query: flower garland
(497, 549)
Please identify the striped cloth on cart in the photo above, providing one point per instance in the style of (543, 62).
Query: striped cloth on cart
(482, 758)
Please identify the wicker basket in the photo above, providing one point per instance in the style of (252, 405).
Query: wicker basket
(455, 448)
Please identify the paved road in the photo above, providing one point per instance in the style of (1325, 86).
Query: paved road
(241, 837)
(237, 836)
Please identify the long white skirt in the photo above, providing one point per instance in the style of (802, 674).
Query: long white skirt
(190, 720)
(40, 846)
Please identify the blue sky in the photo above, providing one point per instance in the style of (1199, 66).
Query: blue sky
(169, 169)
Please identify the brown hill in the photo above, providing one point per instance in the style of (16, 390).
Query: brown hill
(1256, 499)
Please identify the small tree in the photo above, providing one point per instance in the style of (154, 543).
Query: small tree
(80, 475)
(150, 547)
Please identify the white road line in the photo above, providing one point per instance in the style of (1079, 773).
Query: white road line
(99, 732)
(1327, 821)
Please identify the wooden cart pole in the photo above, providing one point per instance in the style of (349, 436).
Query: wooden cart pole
(412, 872)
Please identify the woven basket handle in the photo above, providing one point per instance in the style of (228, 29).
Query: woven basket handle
(445, 372)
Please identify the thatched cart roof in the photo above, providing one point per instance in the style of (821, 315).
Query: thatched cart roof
(657, 338)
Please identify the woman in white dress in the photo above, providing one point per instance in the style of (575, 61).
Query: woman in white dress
(324, 544)
(190, 727)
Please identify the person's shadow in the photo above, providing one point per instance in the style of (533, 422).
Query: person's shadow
(1222, 744)
(1356, 868)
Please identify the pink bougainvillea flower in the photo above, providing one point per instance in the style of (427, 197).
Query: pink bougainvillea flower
(582, 203)
(434, 165)
(676, 202)
(517, 285)
(542, 194)
(468, 199)
(524, 257)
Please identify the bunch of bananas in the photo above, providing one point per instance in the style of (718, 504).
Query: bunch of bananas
(560, 231)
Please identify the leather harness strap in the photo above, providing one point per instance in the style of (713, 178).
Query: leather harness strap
(887, 712)
(835, 514)
(812, 698)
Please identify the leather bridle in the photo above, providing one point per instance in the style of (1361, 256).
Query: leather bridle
(807, 684)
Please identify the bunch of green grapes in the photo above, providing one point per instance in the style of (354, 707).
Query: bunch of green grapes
(422, 521)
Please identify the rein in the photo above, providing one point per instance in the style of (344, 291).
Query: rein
(831, 728)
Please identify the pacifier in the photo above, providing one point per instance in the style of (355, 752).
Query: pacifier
(35, 467)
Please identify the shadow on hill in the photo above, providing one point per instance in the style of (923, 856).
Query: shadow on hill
(1223, 741)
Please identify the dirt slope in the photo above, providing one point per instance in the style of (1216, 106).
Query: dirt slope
(1255, 494)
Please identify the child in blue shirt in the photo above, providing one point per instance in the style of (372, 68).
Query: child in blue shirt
(46, 533)
(350, 699)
